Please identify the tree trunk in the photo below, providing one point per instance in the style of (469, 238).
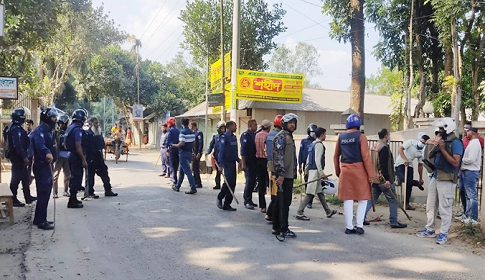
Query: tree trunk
(407, 113)
(475, 72)
(448, 60)
(422, 78)
(357, 32)
(456, 94)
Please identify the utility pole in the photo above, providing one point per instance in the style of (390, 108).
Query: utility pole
(206, 97)
(223, 86)
(456, 92)
(138, 76)
(235, 57)
(407, 106)
(104, 114)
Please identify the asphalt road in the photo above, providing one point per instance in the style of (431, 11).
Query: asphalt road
(152, 232)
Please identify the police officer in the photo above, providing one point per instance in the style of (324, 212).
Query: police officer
(198, 150)
(44, 156)
(63, 154)
(214, 145)
(303, 155)
(77, 159)
(227, 158)
(18, 145)
(94, 146)
(249, 163)
(172, 152)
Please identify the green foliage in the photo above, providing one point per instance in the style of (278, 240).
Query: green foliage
(341, 13)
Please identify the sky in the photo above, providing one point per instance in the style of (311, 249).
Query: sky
(156, 23)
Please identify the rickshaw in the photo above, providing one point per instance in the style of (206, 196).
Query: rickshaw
(115, 150)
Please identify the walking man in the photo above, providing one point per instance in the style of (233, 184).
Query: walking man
(383, 163)
(284, 159)
(185, 147)
(198, 149)
(172, 151)
(446, 157)
(269, 152)
(410, 150)
(353, 166)
(163, 153)
(248, 155)
(214, 146)
(45, 156)
(303, 155)
(227, 158)
(315, 164)
(17, 151)
(262, 163)
(63, 155)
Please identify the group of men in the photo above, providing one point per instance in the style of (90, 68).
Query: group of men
(54, 146)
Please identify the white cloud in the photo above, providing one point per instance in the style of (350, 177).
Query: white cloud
(331, 57)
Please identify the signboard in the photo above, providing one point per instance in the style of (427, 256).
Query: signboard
(2, 19)
(6, 114)
(216, 71)
(217, 110)
(272, 87)
(137, 112)
(9, 87)
(215, 99)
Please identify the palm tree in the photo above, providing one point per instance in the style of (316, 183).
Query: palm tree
(135, 49)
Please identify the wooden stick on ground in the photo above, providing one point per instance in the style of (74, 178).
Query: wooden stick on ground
(227, 183)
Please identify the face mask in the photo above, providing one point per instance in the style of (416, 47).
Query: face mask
(420, 145)
(312, 134)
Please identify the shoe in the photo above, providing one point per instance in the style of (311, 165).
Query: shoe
(471, 221)
(350, 231)
(37, 223)
(46, 226)
(81, 189)
(94, 196)
(219, 203)
(426, 233)
(409, 207)
(192, 191)
(461, 217)
(309, 206)
(74, 205)
(399, 225)
(359, 231)
(333, 212)
(366, 223)
(30, 200)
(55, 196)
(110, 193)
(288, 234)
(420, 187)
(18, 204)
(254, 204)
(162, 175)
(175, 188)
(263, 210)
(198, 186)
(229, 208)
(66, 194)
(249, 206)
(442, 238)
(216, 188)
(167, 176)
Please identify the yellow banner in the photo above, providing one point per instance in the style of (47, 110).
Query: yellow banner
(216, 71)
(272, 87)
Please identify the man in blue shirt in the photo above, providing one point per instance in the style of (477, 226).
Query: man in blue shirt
(185, 146)
(249, 163)
(63, 155)
(214, 145)
(227, 158)
(44, 156)
(172, 151)
(198, 149)
(447, 155)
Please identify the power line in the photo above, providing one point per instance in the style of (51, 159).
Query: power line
(171, 46)
(300, 30)
(305, 15)
(153, 20)
(310, 3)
(164, 40)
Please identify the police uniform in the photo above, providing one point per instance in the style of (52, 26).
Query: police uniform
(62, 162)
(227, 158)
(18, 143)
(214, 146)
(173, 138)
(44, 144)
(198, 149)
(248, 151)
(75, 133)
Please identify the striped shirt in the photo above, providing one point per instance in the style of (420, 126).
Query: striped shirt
(261, 143)
(188, 137)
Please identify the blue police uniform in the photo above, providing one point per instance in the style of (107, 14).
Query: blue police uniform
(173, 138)
(198, 150)
(18, 142)
(75, 134)
(303, 155)
(185, 157)
(44, 144)
(214, 146)
(227, 158)
(62, 162)
(93, 146)
(248, 151)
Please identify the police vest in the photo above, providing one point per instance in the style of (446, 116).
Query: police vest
(312, 165)
(269, 144)
(444, 170)
(62, 139)
(230, 147)
(350, 147)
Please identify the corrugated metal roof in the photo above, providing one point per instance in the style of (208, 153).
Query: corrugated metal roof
(197, 111)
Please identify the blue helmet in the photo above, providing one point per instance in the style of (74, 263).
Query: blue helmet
(47, 114)
(18, 115)
(63, 119)
(80, 115)
(353, 121)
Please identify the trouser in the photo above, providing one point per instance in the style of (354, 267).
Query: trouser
(400, 172)
(309, 198)
(20, 173)
(349, 213)
(76, 181)
(96, 166)
(43, 182)
(29, 168)
(185, 157)
(377, 191)
(230, 174)
(462, 191)
(174, 164)
(282, 206)
(120, 147)
(250, 174)
(196, 170)
(470, 184)
(440, 195)
(163, 156)
(305, 179)
(218, 177)
(61, 163)
(262, 175)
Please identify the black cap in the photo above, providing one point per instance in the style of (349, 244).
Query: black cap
(474, 129)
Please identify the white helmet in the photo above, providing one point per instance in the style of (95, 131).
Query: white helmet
(448, 124)
(329, 186)
(221, 123)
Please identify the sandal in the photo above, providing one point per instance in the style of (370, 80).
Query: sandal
(302, 217)
(378, 219)
(268, 218)
(263, 210)
(332, 213)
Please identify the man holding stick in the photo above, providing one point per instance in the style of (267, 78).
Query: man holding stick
(228, 156)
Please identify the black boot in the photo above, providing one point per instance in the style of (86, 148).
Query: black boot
(110, 193)
(17, 203)
(74, 203)
(46, 226)
(28, 198)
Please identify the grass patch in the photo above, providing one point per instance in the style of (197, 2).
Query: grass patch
(333, 199)
(472, 233)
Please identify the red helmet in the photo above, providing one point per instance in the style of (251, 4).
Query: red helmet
(171, 122)
(277, 121)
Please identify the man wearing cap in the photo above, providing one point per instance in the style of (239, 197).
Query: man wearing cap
(262, 162)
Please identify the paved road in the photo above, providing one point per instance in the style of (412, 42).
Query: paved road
(151, 232)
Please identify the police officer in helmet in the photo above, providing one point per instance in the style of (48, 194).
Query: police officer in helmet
(63, 154)
(214, 146)
(18, 145)
(45, 155)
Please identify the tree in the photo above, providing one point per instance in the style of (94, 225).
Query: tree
(259, 26)
(348, 25)
(302, 60)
